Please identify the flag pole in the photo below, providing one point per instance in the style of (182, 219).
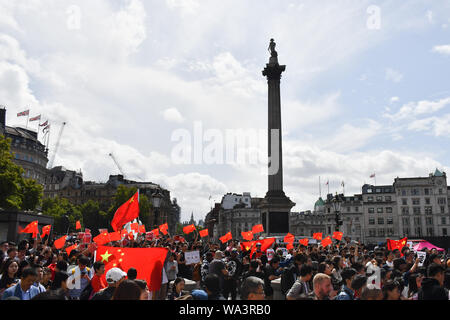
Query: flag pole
(28, 117)
(320, 189)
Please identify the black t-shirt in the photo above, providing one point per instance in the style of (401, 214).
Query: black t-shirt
(5, 281)
(216, 266)
(268, 271)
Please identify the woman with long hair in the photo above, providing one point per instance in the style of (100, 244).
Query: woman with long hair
(9, 274)
(177, 289)
(391, 290)
(414, 284)
(59, 282)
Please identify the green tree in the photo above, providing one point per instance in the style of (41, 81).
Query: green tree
(10, 178)
(58, 208)
(16, 193)
(93, 217)
(31, 193)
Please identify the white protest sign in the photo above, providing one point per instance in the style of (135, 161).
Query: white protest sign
(421, 255)
(410, 245)
(192, 257)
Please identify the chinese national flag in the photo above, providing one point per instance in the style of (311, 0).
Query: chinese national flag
(123, 232)
(163, 228)
(102, 238)
(148, 262)
(60, 242)
(69, 249)
(203, 233)
(127, 212)
(258, 228)
(289, 238)
(226, 237)
(31, 228)
(179, 238)
(304, 242)
(142, 229)
(247, 235)
(155, 232)
(327, 241)
(396, 244)
(290, 246)
(265, 244)
(46, 230)
(135, 227)
(115, 236)
(188, 229)
(317, 236)
(78, 225)
(337, 235)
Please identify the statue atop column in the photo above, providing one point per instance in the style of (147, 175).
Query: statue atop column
(271, 48)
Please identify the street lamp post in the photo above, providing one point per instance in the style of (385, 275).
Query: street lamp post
(156, 201)
(336, 202)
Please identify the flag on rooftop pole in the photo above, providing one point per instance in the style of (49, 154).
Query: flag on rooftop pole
(35, 118)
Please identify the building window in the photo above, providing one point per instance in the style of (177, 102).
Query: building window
(357, 219)
(405, 210)
(417, 221)
(403, 192)
(416, 210)
(390, 231)
(405, 232)
(415, 192)
(371, 210)
(377, 190)
(348, 209)
(379, 198)
(426, 191)
(429, 221)
(356, 209)
(372, 232)
(371, 221)
(388, 198)
(389, 210)
(380, 220)
(443, 220)
(442, 209)
(416, 201)
(405, 221)
(428, 210)
(418, 231)
(429, 231)
(441, 201)
(444, 231)
(369, 190)
(370, 199)
(404, 202)
(390, 220)
(440, 191)
(379, 210)
(381, 232)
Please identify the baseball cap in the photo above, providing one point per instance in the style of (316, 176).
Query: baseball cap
(115, 274)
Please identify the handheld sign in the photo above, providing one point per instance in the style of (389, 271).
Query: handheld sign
(421, 255)
(192, 257)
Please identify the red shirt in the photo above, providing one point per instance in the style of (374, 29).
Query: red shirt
(97, 283)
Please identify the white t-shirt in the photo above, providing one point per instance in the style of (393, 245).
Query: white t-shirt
(270, 253)
(390, 264)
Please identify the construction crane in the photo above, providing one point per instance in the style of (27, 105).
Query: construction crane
(117, 164)
(119, 167)
(50, 165)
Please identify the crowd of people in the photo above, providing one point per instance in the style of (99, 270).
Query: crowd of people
(34, 270)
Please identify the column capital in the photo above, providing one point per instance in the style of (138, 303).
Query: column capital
(273, 71)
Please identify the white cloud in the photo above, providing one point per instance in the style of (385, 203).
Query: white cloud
(173, 115)
(394, 99)
(413, 109)
(393, 75)
(440, 126)
(444, 49)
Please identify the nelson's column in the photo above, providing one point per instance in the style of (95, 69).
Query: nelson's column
(276, 206)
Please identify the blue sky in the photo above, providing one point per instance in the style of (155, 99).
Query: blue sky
(126, 74)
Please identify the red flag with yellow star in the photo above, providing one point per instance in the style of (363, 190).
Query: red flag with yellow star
(338, 235)
(31, 228)
(289, 238)
(163, 228)
(247, 235)
(147, 261)
(304, 242)
(127, 212)
(317, 236)
(60, 242)
(327, 241)
(46, 230)
(204, 233)
(102, 238)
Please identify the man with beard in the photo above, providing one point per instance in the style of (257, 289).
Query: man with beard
(322, 287)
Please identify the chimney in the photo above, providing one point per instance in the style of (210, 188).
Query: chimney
(3, 118)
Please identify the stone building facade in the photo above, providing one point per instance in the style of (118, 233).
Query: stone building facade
(69, 184)
(29, 152)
